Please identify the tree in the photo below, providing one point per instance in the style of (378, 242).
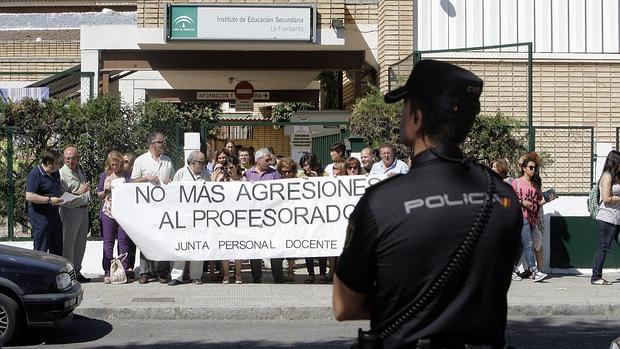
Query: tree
(492, 136)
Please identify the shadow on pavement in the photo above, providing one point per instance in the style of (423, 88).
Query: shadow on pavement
(84, 330)
(562, 332)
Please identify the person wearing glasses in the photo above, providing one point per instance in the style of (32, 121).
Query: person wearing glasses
(156, 168)
(195, 171)
(389, 164)
(311, 166)
(111, 231)
(527, 187)
(288, 169)
(43, 193)
(231, 172)
(74, 214)
(353, 166)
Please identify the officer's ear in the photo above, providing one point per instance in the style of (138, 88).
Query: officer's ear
(418, 118)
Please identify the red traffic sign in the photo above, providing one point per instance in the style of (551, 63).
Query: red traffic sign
(244, 90)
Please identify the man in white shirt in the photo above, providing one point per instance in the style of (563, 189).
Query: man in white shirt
(388, 165)
(194, 171)
(156, 168)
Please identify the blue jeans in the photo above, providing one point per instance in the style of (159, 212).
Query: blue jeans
(528, 245)
(606, 234)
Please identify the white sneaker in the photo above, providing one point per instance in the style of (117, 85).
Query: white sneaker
(516, 277)
(538, 276)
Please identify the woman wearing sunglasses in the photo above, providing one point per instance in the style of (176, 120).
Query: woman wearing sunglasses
(288, 169)
(528, 190)
(230, 172)
(608, 216)
(353, 166)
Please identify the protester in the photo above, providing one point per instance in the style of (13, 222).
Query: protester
(244, 158)
(221, 155)
(608, 216)
(311, 166)
(388, 165)
(263, 172)
(232, 172)
(428, 276)
(367, 160)
(530, 197)
(288, 169)
(74, 213)
(336, 153)
(195, 171)
(128, 159)
(43, 193)
(111, 231)
(353, 166)
(230, 146)
(339, 168)
(156, 168)
(500, 166)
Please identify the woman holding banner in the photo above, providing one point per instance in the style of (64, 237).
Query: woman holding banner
(312, 168)
(288, 169)
(231, 172)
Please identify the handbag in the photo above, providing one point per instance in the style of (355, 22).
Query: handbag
(117, 271)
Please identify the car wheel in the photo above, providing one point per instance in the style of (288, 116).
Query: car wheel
(9, 319)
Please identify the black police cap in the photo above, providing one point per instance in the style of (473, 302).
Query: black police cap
(443, 85)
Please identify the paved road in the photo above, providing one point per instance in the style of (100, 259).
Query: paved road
(523, 332)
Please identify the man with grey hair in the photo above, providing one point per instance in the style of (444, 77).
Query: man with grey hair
(263, 172)
(156, 168)
(367, 159)
(194, 171)
(74, 214)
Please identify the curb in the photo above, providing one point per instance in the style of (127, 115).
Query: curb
(309, 313)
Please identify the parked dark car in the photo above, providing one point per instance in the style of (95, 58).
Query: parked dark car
(36, 289)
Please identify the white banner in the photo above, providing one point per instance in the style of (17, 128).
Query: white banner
(239, 220)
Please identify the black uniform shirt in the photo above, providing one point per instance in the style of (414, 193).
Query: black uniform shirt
(405, 230)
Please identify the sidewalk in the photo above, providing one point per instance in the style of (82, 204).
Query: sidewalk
(558, 295)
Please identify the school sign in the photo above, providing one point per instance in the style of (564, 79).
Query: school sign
(241, 22)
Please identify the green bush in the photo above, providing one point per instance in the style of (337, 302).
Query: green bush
(94, 128)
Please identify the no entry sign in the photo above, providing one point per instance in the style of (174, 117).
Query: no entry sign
(244, 90)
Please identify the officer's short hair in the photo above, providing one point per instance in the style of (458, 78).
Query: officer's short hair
(447, 95)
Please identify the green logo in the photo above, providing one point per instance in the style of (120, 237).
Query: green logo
(184, 22)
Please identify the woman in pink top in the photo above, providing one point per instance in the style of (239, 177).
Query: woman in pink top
(527, 188)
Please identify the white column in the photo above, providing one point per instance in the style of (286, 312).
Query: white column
(89, 64)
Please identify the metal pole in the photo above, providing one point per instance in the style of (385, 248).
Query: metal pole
(9, 180)
(530, 96)
(593, 155)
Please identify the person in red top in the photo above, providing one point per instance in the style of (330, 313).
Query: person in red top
(527, 188)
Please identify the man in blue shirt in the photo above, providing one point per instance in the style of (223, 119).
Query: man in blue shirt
(43, 193)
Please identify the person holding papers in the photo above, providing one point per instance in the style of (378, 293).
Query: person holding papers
(74, 213)
(43, 193)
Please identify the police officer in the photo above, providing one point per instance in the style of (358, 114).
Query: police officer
(405, 230)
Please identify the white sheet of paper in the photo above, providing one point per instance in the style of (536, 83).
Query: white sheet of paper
(68, 197)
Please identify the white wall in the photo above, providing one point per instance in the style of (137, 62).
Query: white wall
(554, 26)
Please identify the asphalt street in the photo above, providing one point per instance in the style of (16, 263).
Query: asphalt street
(523, 332)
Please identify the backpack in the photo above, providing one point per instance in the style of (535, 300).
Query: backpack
(594, 200)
